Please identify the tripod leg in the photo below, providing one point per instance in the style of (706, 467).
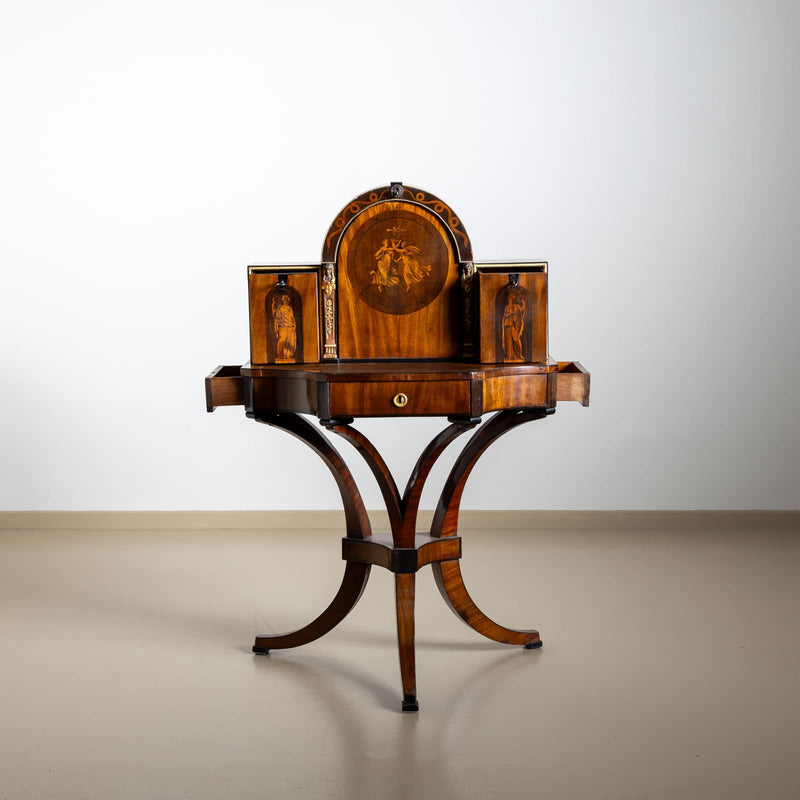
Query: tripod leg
(451, 585)
(353, 584)
(445, 523)
(404, 596)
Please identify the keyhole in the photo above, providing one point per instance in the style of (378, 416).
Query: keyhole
(400, 400)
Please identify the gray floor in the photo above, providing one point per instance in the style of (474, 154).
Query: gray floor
(670, 669)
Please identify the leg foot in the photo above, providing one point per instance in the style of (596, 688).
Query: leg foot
(261, 651)
(410, 703)
(533, 645)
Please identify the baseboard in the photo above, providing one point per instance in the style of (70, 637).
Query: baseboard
(468, 520)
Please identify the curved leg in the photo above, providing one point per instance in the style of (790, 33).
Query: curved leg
(402, 511)
(445, 520)
(445, 523)
(409, 504)
(388, 487)
(353, 584)
(403, 520)
(404, 584)
(448, 578)
(358, 527)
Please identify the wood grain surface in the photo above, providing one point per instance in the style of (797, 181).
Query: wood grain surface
(383, 398)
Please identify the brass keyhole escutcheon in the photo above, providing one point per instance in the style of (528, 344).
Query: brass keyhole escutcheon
(400, 399)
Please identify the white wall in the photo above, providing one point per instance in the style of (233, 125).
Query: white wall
(648, 150)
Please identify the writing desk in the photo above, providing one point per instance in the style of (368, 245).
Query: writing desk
(393, 324)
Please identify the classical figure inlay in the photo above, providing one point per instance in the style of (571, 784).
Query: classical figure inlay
(513, 324)
(397, 262)
(284, 318)
(285, 329)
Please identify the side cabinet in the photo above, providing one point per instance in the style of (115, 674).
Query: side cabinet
(512, 308)
(284, 314)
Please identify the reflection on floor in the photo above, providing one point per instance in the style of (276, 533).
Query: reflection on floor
(670, 669)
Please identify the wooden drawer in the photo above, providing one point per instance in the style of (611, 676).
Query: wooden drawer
(399, 398)
(224, 387)
(573, 382)
(512, 391)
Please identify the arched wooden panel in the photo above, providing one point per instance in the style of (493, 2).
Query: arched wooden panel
(398, 286)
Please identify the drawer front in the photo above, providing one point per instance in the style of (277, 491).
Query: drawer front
(515, 392)
(399, 398)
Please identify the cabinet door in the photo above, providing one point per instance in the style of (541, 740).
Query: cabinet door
(512, 303)
(283, 315)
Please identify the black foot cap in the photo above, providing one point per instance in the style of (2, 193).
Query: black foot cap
(410, 703)
(262, 651)
(532, 645)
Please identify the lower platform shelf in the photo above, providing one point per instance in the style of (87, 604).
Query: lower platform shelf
(379, 550)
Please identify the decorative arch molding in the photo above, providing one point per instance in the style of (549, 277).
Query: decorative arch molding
(406, 194)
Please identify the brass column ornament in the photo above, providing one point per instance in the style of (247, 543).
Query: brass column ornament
(329, 311)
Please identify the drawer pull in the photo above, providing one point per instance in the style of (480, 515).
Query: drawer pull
(400, 399)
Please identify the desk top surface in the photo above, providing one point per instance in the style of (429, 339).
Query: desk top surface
(396, 370)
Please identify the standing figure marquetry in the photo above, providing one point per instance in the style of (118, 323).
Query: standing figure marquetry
(512, 304)
(284, 325)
